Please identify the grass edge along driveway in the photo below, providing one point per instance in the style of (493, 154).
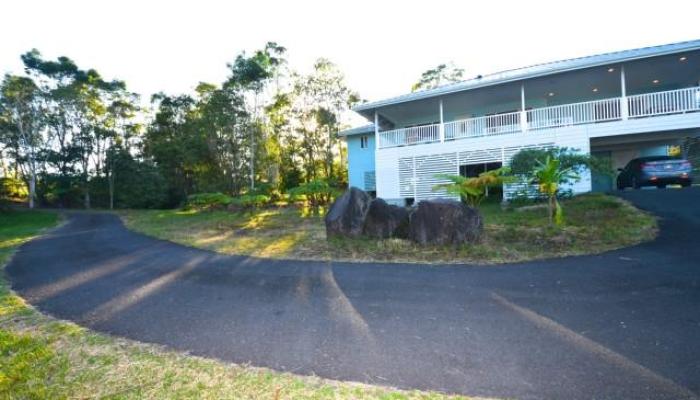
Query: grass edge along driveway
(594, 223)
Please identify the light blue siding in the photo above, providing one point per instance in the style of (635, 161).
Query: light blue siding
(360, 161)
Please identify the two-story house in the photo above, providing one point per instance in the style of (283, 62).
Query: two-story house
(618, 105)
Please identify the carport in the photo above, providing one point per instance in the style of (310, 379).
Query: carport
(621, 149)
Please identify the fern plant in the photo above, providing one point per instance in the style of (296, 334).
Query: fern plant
(473, 190)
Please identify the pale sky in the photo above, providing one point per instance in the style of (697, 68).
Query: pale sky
(382, 46)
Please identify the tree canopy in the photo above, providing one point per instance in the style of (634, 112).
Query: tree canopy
(438, 76)
(76, 138)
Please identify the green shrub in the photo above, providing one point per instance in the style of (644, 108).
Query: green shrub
(250, 200)
(317, 192)
(208, 201)
(267, 189)
(526, 161)
(13, 188)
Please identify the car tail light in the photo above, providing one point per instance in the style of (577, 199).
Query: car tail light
(646, 167)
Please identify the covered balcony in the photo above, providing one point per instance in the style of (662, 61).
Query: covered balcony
(643, 88)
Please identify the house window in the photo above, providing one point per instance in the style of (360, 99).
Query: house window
(364, 142)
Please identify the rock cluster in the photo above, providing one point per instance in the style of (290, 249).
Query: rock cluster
(441, 222)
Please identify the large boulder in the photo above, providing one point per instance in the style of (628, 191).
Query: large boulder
(346, 217)
(386, 220)
(444, 222)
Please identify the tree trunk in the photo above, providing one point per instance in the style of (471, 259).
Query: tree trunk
(329, 155)
(32, 189)
(32, 161)
(252, 143)
(551, 209)
(110, 182)
(252, 159)
(87, 194)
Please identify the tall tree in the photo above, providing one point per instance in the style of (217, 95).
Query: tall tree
(321, 97)
(440, 75)
(222, 119)
(21, 126)
(253, 74)
(170, 144)
(117, 131)
(75, 109)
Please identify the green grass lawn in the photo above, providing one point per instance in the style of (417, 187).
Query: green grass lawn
(43, 358)
(594, 223)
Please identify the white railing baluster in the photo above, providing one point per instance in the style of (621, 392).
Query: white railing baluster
(660, 103)
(409, 136)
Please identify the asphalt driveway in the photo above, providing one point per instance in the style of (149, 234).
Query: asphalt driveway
(624, 324)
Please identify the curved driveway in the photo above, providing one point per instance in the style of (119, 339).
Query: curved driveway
(624, 324)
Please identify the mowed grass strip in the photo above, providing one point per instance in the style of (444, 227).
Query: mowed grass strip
(594, 223)
(43, 358)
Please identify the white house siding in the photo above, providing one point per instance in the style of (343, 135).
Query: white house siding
(397, 179)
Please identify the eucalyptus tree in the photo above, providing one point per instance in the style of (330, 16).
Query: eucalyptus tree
(21, 126)
(221, 117)
(283, 143)
(168, 142)
(252, 74)
(58, 92)
(117, 132)
(75, 109)
(322, 97)
(440, 75)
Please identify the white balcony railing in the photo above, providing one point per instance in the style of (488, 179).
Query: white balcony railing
(410, 136)
(481, 126)
(574, 114)
(659, 103)
(590, 112)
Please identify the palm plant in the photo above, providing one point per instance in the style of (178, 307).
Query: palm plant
(549, 175)
(473, 190)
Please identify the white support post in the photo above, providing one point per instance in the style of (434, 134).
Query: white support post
(624, 112)
(442, 124)
(377, 144)
(523, 113)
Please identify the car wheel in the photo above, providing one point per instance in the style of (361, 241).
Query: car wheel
(635, 184)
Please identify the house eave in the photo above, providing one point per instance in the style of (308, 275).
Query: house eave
(360, 130)
(521, 74)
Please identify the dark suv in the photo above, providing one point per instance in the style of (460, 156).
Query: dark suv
(656, 171)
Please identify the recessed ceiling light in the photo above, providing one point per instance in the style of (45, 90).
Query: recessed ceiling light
(611, 69)
(655, 81)
(550, 94)
(595, 89)
(683, 58)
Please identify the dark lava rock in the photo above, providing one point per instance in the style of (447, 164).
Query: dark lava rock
(386, 220)
(444, 222)
(346, 217)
